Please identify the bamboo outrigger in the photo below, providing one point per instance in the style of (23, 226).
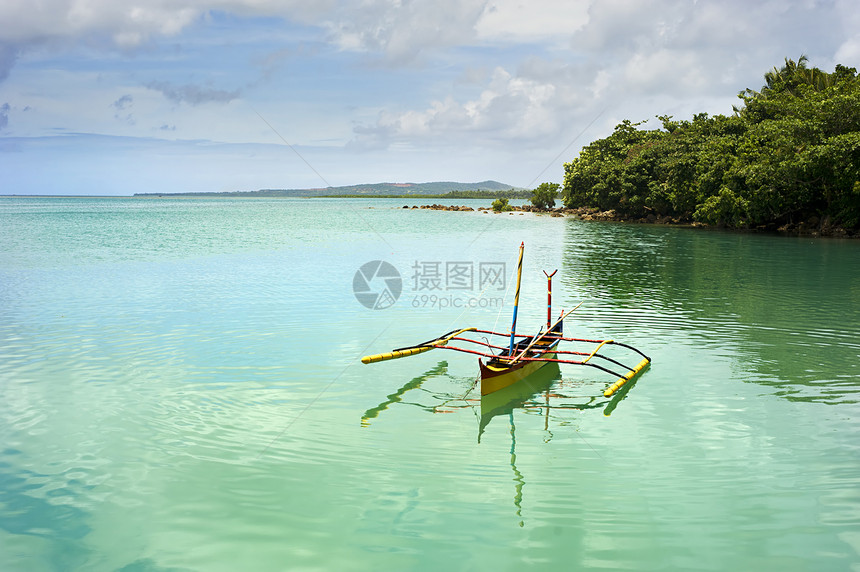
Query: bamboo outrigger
(523, 355)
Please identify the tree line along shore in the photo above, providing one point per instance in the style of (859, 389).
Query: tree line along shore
(787, 160)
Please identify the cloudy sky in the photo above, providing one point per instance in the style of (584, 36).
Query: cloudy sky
(113, 97)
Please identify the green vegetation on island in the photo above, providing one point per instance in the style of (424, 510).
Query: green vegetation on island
(501, 205)
(790, 155)
(543, 197)
(433, 190)
(509, 194)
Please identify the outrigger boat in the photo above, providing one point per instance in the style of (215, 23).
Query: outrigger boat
(502, 366)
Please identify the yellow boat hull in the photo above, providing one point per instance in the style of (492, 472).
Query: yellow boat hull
(495, 377)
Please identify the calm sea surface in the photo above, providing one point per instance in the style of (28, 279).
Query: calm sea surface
(180, 389)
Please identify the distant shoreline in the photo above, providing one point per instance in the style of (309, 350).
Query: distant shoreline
(436, 189)
(453, 195)
(151, 196)
(805, 230)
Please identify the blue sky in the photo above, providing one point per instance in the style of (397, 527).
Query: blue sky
(113, 98)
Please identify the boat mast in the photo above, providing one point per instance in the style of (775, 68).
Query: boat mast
(517, 297)
(549, 298)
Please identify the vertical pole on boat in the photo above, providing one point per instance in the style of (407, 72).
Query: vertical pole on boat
(517, 298)
(549, 298)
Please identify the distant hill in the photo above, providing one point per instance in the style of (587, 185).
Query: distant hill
(369, 190)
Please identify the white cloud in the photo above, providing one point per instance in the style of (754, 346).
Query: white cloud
(651, 72)
(22, 22)
(533, 20)
(635, 59)
(628, 58)
(111, 24)
(522, 107)
(402, 29)
(849, 51)
(399, 30)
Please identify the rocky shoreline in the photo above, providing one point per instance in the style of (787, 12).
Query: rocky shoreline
(813, 228)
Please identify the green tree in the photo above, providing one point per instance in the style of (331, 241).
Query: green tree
(543, 197)
(791, 153)
(601, 176)
(501, 205)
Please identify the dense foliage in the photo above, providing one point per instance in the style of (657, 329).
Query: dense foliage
(789, 154)
(509, 194)
(543, 197)
(501, 205)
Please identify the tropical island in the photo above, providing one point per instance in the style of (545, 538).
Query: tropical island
(787, 159)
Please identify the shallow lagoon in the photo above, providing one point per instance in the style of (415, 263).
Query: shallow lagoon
(180, 390)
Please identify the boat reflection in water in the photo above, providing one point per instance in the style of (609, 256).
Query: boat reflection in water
(518, 396)
(547, 393)
(440, 369)
(521, 395)
(544, 392)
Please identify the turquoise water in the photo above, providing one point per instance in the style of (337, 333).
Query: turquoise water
(180, 389)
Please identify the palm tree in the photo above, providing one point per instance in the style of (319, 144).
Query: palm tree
(787, 79)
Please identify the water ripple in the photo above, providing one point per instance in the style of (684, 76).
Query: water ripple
(180, 389)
